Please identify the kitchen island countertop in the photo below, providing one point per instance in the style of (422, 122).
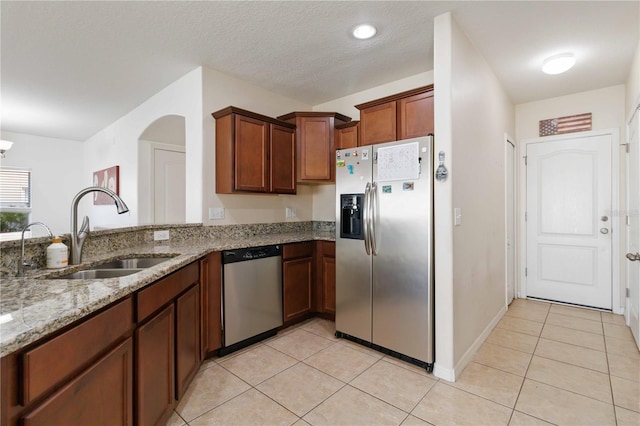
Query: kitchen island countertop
(33, 307)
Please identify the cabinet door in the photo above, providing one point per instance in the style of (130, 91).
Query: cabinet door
(315, 141)
(378, 124)
(155, 368)
(283, 160)
(415, 116)
(210, 303)
(101, 395)
(187, 338)
(329, 284)
(251, 159)
(297, 282)
(347, 138)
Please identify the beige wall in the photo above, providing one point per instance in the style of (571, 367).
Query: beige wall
(472, 282)
(633, 86)
(605, 105)
(324, 195)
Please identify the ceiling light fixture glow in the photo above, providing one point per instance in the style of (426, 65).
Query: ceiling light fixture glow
(364, 31)
(558, 64)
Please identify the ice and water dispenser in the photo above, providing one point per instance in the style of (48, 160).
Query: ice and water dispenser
(351, 222)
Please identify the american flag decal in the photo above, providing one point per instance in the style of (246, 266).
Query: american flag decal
(568, 124)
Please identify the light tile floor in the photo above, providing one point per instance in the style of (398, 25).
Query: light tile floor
(543, 364)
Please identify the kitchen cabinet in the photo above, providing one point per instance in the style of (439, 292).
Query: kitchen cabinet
(61, 378)
(297, 281)
(210, 304)
(315, 144)
(187, 338)
(167, 342)
(346, 135)
(401, 116)
(100, 395)
(326, 279)
(254, 153)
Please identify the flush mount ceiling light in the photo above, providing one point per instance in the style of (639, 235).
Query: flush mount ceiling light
(364, 31)
(558, 64)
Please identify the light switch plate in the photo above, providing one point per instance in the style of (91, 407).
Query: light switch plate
(161, 235)
(290, 212)
(216, 212)
(457, 216)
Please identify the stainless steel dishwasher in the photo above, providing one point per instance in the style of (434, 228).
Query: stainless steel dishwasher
(252, 294)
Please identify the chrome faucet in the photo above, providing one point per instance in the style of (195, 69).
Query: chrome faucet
(78, 238)
(22, 266)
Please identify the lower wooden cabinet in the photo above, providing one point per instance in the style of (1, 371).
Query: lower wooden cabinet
(297, 280)
(102, 395)
(187, 338)
(155, 368)
(210, 304)
(326, 279)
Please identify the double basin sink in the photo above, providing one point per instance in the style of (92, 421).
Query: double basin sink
(115, 268)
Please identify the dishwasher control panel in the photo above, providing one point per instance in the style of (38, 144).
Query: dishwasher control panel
(252, 253)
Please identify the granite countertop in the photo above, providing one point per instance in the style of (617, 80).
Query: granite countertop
(33, 307)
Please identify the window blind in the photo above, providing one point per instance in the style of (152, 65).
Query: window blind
(15, 188)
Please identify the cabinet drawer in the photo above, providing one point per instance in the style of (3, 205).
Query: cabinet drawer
(163, 291)
(100, 395)
(50, 363)
(329, 248)
(296, 250)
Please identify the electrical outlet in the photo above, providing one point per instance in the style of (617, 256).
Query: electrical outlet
(216, 212)
(161, 235)
(290, 212)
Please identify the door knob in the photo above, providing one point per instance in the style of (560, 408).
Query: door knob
(633, 257)
(604, 231)
(604, 218)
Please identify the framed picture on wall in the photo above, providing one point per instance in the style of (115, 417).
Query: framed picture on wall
(106, 178)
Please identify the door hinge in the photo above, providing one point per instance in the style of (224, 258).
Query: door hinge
(627, 220)
(626, 147)
(627, 293)
(526, 272)
(525, 216)
(525, 160)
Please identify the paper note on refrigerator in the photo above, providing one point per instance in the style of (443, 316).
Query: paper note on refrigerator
(399, 162)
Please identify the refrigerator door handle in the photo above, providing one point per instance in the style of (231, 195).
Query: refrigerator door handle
(372, 217)
(366, 215)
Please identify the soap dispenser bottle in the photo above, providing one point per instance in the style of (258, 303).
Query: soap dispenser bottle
(57, 254)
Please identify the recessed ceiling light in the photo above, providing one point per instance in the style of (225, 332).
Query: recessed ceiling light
(559, 63)
(364, 31)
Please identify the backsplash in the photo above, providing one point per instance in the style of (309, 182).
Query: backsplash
(103, 241)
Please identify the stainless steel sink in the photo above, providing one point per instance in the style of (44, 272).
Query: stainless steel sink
(91, 274)
(132, 263)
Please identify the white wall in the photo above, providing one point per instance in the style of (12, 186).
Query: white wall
(605, 105)
(117, 144)
(324, 195)
(473, 113)
(56, 168)
(633, 86)
(220, 91)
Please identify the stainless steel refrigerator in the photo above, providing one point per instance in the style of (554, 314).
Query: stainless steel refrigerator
(384, 247)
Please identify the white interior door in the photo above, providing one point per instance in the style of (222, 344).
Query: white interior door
(510, 215)
(633, 203)
(169, 186)
(569, 232)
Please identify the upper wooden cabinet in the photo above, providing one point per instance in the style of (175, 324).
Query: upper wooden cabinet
(254, 153)
(315, 143)
(346, 135)
(401, 116)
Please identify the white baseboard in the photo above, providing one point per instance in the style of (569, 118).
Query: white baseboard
(449, 374)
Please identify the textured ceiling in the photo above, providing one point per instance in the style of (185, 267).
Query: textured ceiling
(69, 69)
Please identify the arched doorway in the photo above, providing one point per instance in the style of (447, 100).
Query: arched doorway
(162, 177)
